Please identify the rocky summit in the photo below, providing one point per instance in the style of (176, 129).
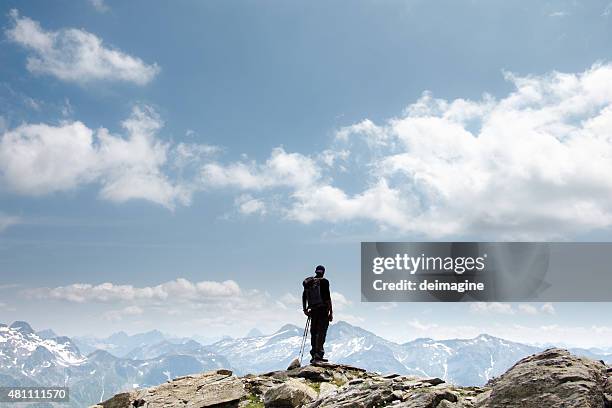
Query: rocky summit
(553, 378)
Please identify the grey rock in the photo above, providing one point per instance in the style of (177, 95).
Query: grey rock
(295, 363)
(553, 378)
(312, 373)
(290, 394)
(214, 388)
(549, 379)
(432, 398)
(327, 389)
(432, 381)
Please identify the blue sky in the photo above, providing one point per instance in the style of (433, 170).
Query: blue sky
(184, 165)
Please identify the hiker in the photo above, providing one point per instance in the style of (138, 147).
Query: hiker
(317, 304)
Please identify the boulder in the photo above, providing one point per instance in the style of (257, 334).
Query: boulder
(291, 394)
(552, 378)
(295, 363)
(326, 389)
(432, 398)
(312, 373)
(214, 388)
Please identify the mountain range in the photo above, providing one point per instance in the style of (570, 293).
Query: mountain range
(95, 369)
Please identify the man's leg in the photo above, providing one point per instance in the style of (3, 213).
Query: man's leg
(314, 321)
(323, 326)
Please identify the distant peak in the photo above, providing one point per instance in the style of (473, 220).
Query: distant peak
(485, 336)
(154, 332)
(22, 326)
(287, 327)
(254, 332)
(101, 355)
(423, 340)
(46, 334)
(119, 335)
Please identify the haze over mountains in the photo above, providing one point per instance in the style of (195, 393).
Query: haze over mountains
(95, 368)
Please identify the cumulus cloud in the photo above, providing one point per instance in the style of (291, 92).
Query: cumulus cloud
(181, 305)
(527, 309)
(176, 290)
(508, 309)
(548, 308)
(529, 164)
(282, 169)
(420, 326)
(340, 302)
(38, 159)
(291, 301)
(248, 205)
(75, 55)
(491, 307)
(532, 164)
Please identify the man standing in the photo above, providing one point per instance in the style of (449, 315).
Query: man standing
(317, 304)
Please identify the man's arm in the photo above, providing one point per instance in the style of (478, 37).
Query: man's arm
(304, 303)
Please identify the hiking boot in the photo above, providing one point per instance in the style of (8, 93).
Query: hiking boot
(322, 360)
(315, 360)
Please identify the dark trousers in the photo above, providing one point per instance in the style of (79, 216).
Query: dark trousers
(319, 322)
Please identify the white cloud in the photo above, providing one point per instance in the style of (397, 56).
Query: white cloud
(180, 305)
(282, 169)
(324, 202)
(331, 157)
(559, 14)
(38, 159)
(99, 5)
(548, 309)
(248, 205)
(75, 55)
(491, 307)
(532, 164)
(179, 290)
(527, 309)
(291, 301)
(339, 301)
(506, 308)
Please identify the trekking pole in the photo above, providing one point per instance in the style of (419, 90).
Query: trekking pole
(304, 339)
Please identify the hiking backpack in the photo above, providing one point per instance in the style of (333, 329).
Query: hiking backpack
(312, 288)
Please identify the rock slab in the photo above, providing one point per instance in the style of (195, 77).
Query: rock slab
(214, 388)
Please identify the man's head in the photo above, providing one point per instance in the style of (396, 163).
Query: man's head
(320, 270)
